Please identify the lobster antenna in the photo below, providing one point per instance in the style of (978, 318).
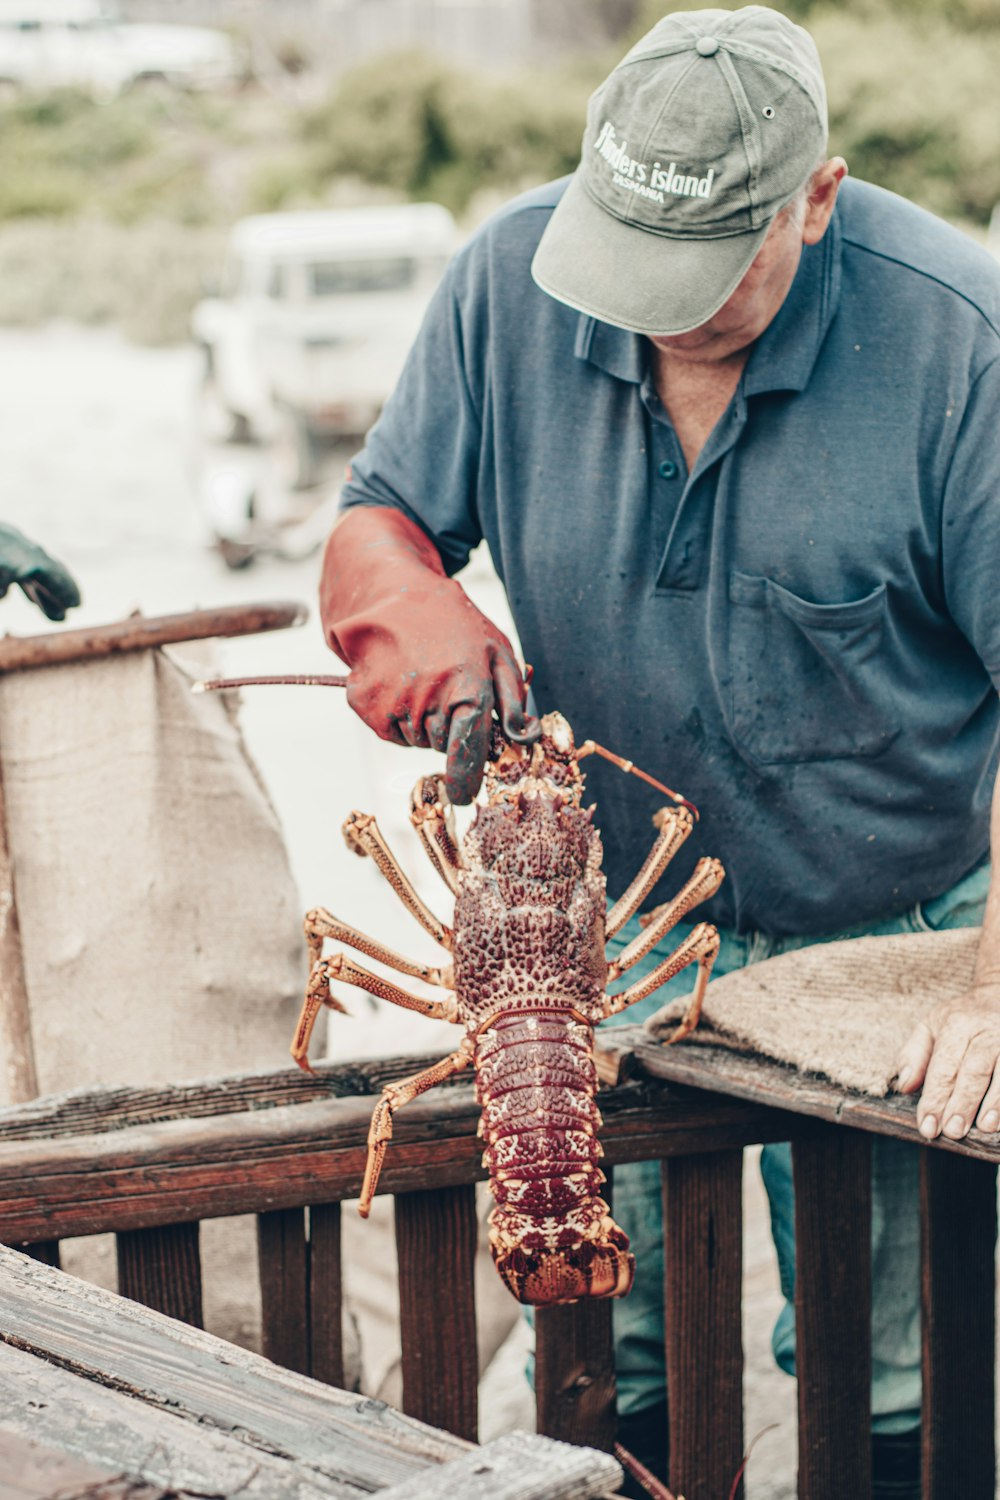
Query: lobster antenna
(591, 747)
(219, 683)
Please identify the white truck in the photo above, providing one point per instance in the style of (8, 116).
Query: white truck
(46, 44)
(314, 317)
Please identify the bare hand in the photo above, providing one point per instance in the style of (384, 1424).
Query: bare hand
(955, 1055)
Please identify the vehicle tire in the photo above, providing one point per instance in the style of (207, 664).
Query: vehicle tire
(296, 450)
(217, 421)
(235, 555)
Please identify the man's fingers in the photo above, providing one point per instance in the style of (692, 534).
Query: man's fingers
(468, 747)
(947, 1058)
(914, 1058)
(975, 1075)
(988, 1118)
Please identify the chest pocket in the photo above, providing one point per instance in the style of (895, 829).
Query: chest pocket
(807, 679)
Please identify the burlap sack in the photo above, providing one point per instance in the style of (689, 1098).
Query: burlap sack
(159, 920)
(160, 924)
(840, 1009)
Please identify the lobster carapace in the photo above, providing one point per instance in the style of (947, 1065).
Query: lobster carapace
(528, 980)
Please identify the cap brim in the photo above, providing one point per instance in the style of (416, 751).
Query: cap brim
(631, 277)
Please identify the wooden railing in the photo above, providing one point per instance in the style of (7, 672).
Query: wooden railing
(149, 1164)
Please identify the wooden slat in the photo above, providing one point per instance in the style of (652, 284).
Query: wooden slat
(436, 1249)
(759, 1080)
(575, 1373)
(126, 1436)
(694, 1090)
(209, 1383)
(137, 633)
(284, 1288)
(833, 1313)
(294, 1155)
(703, 1265)
(31, 1470)
(161, 1268)
(959, 1227)
(517, 1466)
(326, 1337)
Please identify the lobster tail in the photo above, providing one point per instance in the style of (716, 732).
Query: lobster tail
(544, 1278)
(551, 1233)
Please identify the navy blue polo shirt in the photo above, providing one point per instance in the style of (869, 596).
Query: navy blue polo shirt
(802, 635)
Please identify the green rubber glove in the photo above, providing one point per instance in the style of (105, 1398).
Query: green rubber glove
(44, 580)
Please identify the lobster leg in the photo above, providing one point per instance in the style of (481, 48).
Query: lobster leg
(339, 966)
(700, 946)
(429, 808)
(674, 823)
(704, 882)
(320, 924)
(363, 836)
(394, 1096)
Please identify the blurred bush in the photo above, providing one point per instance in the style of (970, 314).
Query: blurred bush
(116, 209)
(912, 89)
(421, 127)
(144, 278)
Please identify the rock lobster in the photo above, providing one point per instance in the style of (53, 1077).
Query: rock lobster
(528, 981)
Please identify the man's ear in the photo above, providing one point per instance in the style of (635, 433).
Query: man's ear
(821, 197)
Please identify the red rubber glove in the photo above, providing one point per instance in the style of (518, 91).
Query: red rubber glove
(427, 667)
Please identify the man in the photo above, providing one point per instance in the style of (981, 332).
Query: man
(727, 423)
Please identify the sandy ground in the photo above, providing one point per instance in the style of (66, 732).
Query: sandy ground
(99, 465)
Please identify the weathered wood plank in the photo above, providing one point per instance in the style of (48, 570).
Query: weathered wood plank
(518, 1466)
(326, 1328)
(436, 1250)
(284, 1288)
(575, 1373)
(692, 1068)
(207, 1381)
(833, 1313)
(290, 1156)
(759, 1080)
(30, 1470)
(161, 1268)
(959, 1228)
(703, 1267)
(122, 1434)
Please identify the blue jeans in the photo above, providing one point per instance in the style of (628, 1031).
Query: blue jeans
(638, 1318)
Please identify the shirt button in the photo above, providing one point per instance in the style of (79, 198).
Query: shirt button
(668, 469)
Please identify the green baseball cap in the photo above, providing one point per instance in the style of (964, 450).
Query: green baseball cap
(701, 135)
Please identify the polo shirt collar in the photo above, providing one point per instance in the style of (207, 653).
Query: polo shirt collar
(784, 355)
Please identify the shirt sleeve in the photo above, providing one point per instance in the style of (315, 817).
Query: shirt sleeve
(970, 522)
(422, 456)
